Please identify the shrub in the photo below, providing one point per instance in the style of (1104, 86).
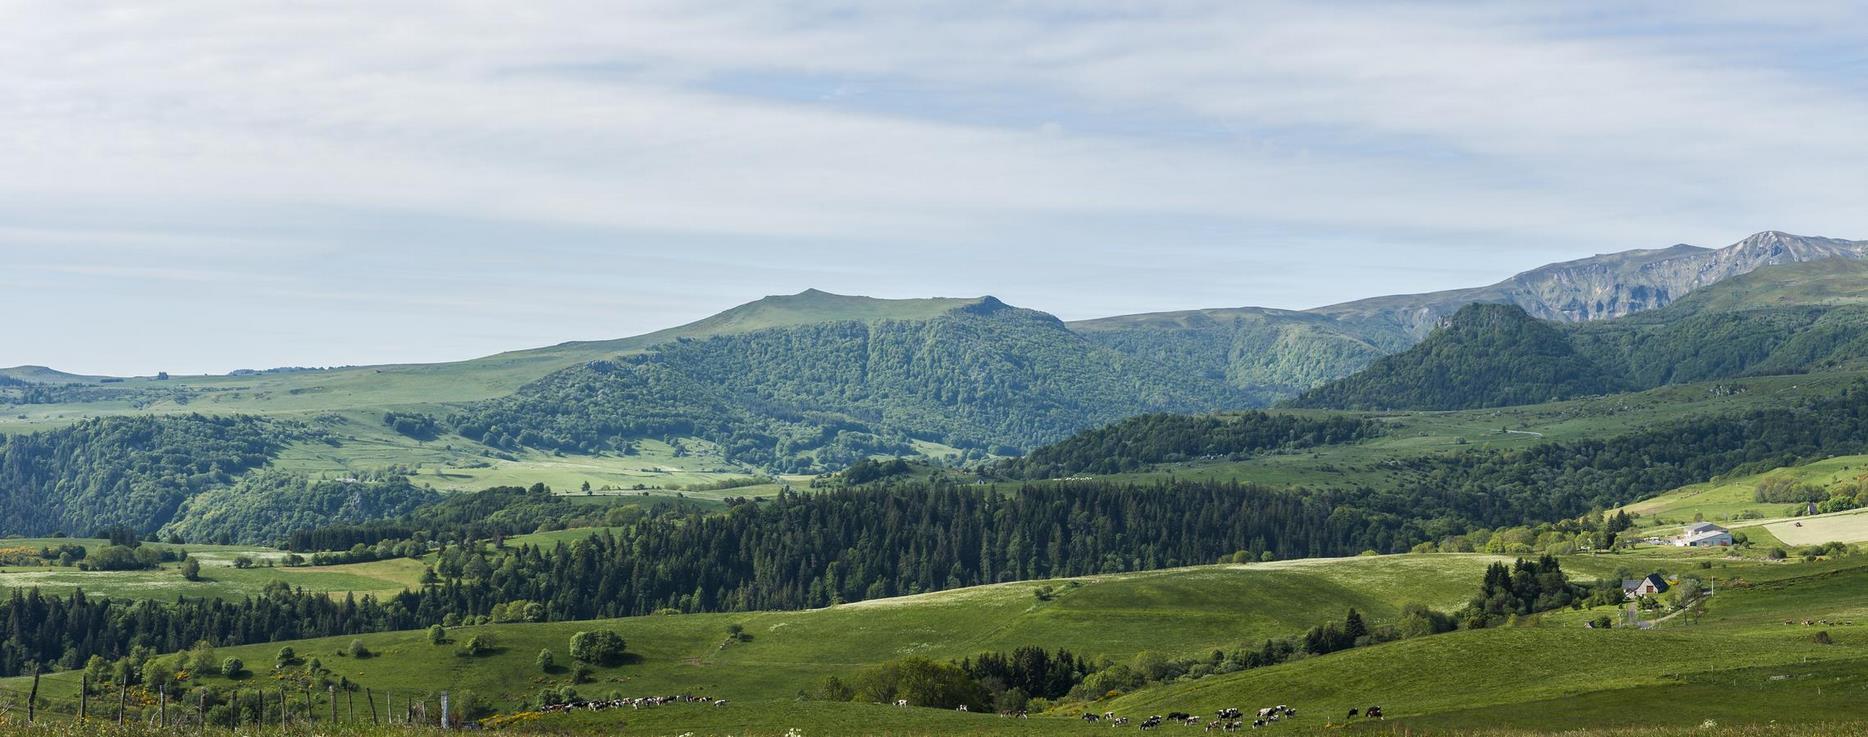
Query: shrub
(437, 635)
(232, 667)
(477, 645)
(357, 649)
(545, 660)
(601, 646)
(191, 569)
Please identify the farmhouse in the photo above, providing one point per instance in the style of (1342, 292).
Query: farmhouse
(1703, 535)
(1637, 588)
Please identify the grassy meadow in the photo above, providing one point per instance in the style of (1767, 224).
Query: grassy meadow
(218, 578)
(1739, 663)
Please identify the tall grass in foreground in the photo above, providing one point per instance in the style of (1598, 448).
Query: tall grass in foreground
(16, 727)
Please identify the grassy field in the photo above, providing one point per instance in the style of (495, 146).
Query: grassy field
(1177, 612)
(219, 577)
(1727, 499)
(1741, 662)
(1548, 672)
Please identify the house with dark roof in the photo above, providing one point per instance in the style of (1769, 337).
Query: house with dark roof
(1637, 588)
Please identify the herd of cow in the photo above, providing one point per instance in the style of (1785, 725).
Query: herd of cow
(1225, 720)
(643, 702)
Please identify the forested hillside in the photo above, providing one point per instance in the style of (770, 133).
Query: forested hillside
(1269, 353)
(1788, 319)
(1137, 442)
(125, 471)
(195, 476)
(267, 506)
(985, 376)
(1486, 355)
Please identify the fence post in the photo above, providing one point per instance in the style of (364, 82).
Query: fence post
(331, 693)
(123, 696)
(350, 704)
(370, 696)
(32, 701)
(444, 710)
(84, 696)
(163, 697)
(202, 709)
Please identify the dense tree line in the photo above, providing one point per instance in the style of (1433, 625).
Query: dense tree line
(809, 550)
(66, 631)
(986, 376)
(1137, 442)
(265, 506)
(131, 471)
(1562, 479)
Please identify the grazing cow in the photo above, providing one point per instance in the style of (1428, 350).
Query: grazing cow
(1089, 718)
(962, 708)
(1120, 721)
(901, 703)
(1230, 713)
(1373, 712)
(1151, 722)
(1178, 716)
(1353, 711)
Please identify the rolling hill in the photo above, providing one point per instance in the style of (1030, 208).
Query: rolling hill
(1486, 355)
(981, 374)
(1790, 319)
(1546, 672)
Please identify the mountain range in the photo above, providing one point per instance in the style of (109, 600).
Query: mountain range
(812, 380)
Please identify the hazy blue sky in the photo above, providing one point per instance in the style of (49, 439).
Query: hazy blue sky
(203, 186)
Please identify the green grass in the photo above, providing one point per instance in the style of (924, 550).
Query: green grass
(1740, 663)
(1723, 500)
(219, 579)
(1180, 612)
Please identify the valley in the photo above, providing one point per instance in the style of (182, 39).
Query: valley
(812, 504)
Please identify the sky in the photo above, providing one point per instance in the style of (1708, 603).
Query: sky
(197, 187)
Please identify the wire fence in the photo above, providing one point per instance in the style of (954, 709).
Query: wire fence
(181, 707)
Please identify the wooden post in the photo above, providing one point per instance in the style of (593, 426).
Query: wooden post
(331, 692)
(202, 709)
(284, 715)
(310, 717)
(370, 696)
(444, 710)
(84, 696)
(32, 701)
(162, 697)
(350, 705)
(123, 696)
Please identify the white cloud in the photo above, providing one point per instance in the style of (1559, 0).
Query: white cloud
(1471, 136)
